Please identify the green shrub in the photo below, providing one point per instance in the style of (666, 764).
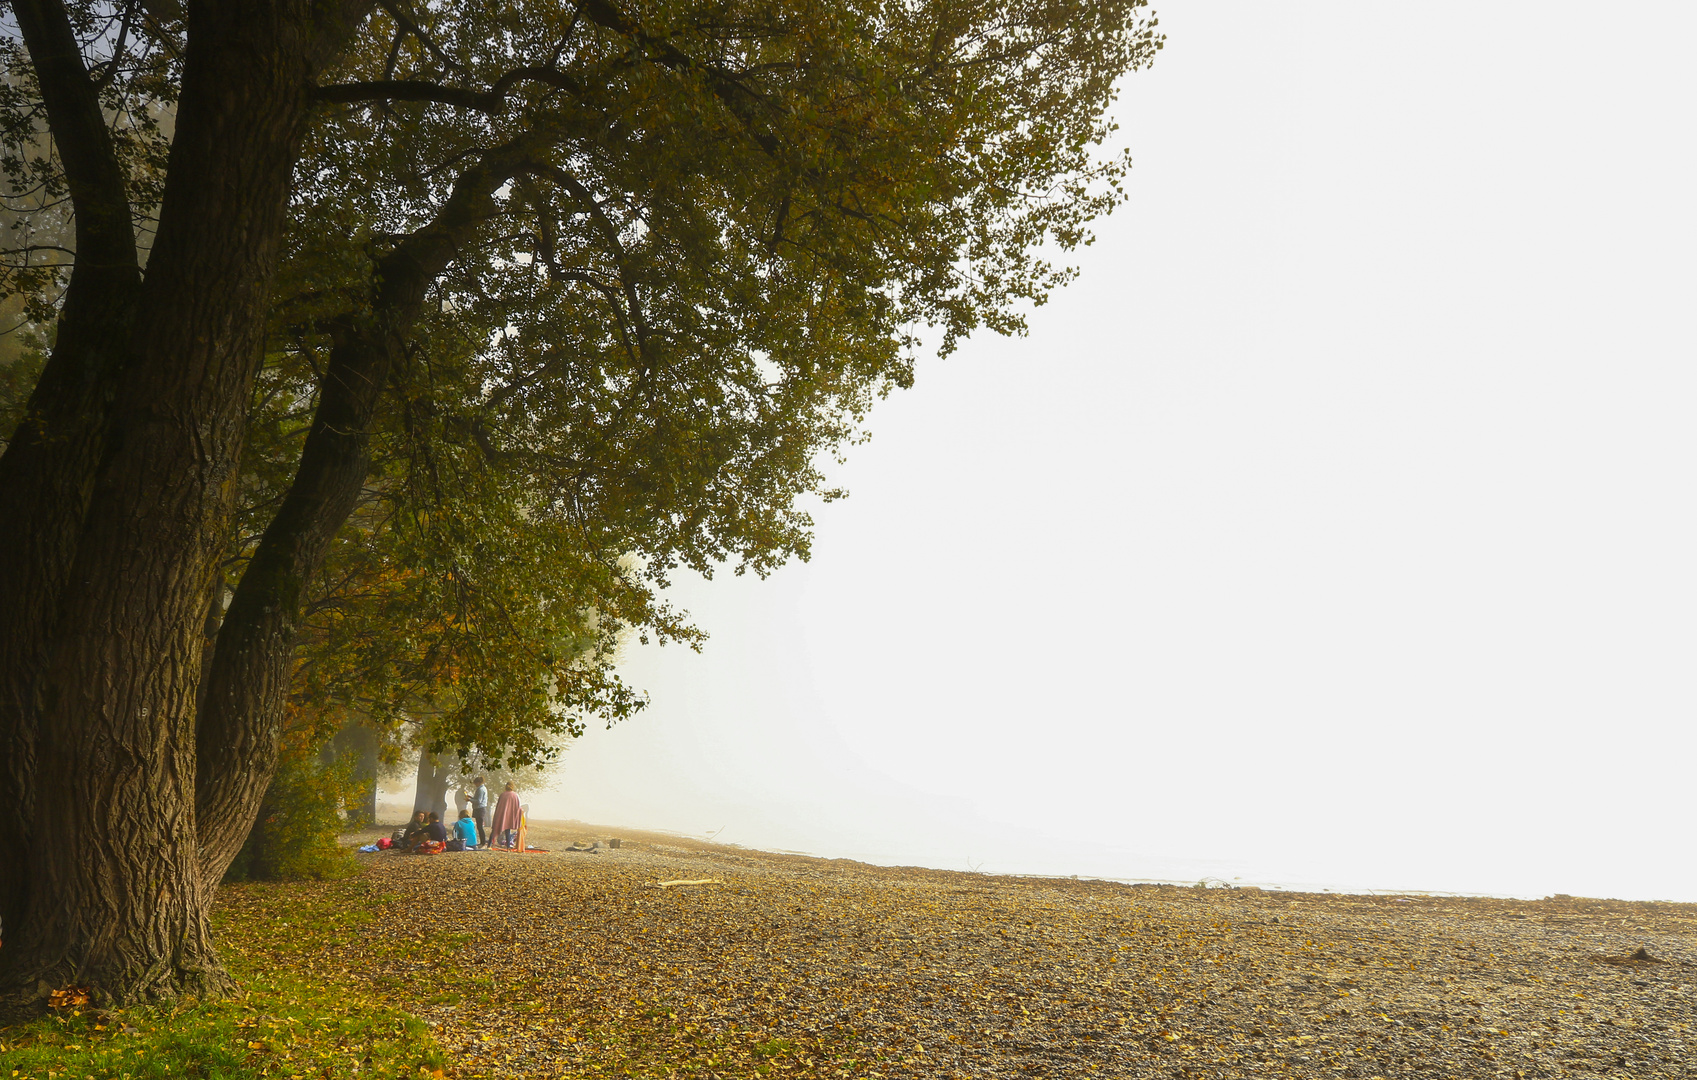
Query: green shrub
(295, 836)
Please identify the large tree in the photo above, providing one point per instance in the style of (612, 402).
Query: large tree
(518, 306)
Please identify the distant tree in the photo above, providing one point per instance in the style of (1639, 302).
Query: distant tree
(461, 326)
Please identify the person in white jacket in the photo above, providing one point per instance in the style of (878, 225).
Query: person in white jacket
(480, 811)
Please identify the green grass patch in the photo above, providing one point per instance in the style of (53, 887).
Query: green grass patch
(297, 1016)
(773, 1048)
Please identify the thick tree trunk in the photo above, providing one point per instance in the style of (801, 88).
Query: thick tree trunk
(365, 771)
(367, 811)
(112, 895)
(46, 475)
(241, 718)
(430, 789)
(155, 784)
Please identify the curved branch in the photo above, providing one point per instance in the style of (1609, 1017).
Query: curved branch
(240, 718)
(725, 85)
(93, 172)
(609, 233)
(611, 295)
(110, 68)
(411, 26)
(410, 90)
(29, 249)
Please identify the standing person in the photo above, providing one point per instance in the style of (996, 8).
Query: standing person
(508, 815)
(480, 811)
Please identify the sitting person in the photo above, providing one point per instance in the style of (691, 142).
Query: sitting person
(466, 829)
(435, 832)
(430, 833)
(408, 837)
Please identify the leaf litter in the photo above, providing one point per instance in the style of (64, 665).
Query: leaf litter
(577, 965)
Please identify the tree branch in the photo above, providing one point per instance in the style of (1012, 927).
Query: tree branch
(609, 233)
(411, 26)
(239, 724)
(724, 84)
(99, 194)
(492, 101)
(48, 467)
(410, 90)
(110, 71)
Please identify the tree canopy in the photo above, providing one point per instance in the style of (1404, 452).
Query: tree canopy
(695, 264)
(401, 353)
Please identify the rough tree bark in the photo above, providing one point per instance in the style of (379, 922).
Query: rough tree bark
(241, 719)
(100, 662)
(133, 783)
(46, 473)
(430, 787)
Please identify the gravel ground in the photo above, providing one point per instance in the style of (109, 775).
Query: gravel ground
(582, 964)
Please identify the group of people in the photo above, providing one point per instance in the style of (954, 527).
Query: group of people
(475, 829)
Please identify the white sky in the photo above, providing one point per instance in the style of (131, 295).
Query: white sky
(1338, 527)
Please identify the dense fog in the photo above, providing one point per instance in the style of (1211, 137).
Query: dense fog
(1334, 528)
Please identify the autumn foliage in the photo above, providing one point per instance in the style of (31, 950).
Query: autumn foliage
(384, 361)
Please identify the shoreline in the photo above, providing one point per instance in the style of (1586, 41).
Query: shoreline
(590, 830)
(676, 956)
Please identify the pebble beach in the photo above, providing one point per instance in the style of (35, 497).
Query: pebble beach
(668, 957)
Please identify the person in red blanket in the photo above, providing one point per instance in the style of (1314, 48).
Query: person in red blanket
(508, 816)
